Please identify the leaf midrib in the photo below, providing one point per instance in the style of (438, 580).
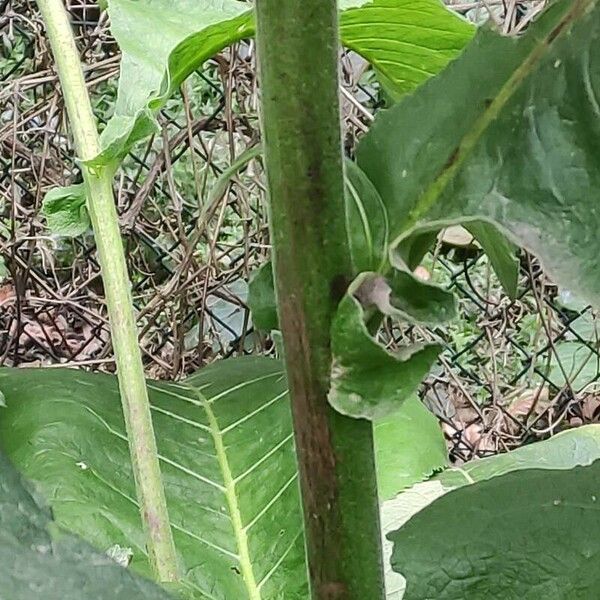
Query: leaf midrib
(469, 141)
(241, 537)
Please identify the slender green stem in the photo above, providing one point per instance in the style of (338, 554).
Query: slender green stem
(298, 59)
(134, 395)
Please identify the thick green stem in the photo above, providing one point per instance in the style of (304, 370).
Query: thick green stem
(134, 395)
(298, 59)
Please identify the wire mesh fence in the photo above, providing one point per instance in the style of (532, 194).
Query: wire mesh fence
(511, 370)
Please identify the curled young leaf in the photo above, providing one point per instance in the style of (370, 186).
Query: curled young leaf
(367, 230)
(65, 211)
(407, 298)
(368, 381)
(366, 221)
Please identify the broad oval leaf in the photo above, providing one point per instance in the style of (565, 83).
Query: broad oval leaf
(39, 560)
(528, 534)
(518, 149)
(226, 451)
(577, 447)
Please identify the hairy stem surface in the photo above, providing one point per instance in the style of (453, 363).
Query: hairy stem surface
(298, 58)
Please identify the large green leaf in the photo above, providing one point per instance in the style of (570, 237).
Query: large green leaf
(164, 41)
(226, 451)
(38, 560)
(578, 447)
(518, 149)
(526, 535)
(568, 449)
(64, 429)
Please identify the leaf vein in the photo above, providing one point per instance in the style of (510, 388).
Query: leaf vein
(263, 458)
(280, 560)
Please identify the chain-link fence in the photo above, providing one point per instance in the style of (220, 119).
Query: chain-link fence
(511, 370)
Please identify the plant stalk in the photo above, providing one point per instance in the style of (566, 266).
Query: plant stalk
(103, 215)
(298, 65)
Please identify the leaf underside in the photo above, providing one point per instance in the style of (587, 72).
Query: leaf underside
(226, 452)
